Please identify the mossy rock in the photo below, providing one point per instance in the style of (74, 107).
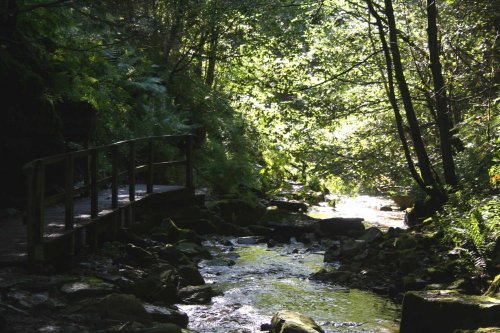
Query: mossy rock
(442, 311)
(123, 307)
(293, 322)
(494, 288)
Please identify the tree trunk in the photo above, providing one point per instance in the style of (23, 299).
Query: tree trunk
(175, 29)
(392, 97)
(442, 110)
(212, 55)
(9, 18)
(430, 179)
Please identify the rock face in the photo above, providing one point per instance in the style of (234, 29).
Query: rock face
(293, 322)
(446, 311)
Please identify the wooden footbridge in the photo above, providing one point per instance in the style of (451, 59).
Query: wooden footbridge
(97, 193)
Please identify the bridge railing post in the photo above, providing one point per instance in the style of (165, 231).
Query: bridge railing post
(189, 161)
(131, 185)
(39, 212)
(114, 176)
(94, 184)
(150, 166)
(29, 213)
(69, 189)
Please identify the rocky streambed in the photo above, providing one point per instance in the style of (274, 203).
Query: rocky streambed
(250, 264)
(256, 281)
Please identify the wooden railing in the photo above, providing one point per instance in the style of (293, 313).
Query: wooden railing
(35, 171)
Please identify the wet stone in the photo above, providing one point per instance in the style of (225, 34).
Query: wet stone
(193, 250)
(196, 294)
(249, 240)
(293, 322)
(87, 287)
(165, 314)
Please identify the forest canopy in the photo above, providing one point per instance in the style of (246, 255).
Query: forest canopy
(350, 96)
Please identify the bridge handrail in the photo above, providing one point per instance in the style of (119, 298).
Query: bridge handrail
(37, 200)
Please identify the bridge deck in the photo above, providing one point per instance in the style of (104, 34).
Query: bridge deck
(13, 234)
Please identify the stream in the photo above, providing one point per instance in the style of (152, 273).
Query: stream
(255, 281)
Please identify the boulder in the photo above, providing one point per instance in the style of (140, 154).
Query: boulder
(286, 321)
(173, 255)
(158, 286)
(338, 226)
(196, 294)
(446, 311)
(123, 307)
(239, 211)
(174, 234)
(405, 242)
(190, 275)
(290, 205)
(372, 234)
(138, 256)
(494, 288)
(193, 250)
(294, 227)
(344, 251)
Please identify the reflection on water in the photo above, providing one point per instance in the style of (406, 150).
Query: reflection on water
(264, 281)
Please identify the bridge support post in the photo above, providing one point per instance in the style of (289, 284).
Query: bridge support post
(69, 195)
(131, 185)
(94, 188)
(114, 177)
(189, 162)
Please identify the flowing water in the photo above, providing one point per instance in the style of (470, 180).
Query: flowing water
(256, 281)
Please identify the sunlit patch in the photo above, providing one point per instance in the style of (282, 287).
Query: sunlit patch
(364, 206)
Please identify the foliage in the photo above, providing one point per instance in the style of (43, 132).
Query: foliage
(471, 224)
(276, 91)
